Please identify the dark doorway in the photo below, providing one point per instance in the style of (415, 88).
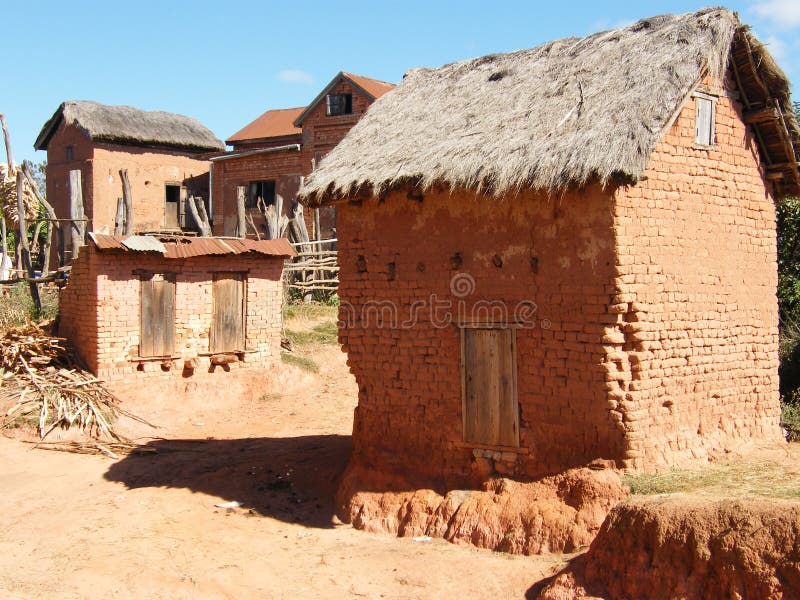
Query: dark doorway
(171, 207)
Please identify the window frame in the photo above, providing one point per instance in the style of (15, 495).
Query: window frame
(346, 104)
(464, 328)
(251, 199)
(701, 98)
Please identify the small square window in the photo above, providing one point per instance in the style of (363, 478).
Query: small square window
(339, 104)
(260, 189)
(70, 153)
(704, 121)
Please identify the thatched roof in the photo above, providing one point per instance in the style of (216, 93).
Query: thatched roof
(128, 125)
(568, 112)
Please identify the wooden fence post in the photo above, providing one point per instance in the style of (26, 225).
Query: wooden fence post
(23, 239)
(128, 198)
(241, 223)
(77, 225)
(55, 224)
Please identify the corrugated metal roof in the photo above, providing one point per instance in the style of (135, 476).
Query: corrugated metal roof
(189, 247)
(144, 243)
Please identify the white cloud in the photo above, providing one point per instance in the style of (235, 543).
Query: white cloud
(295, 76)
(783, 13)
(776, 47)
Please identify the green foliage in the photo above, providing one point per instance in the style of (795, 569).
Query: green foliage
(322, 333)
(303, 362)
(790, 417)
(17, 308)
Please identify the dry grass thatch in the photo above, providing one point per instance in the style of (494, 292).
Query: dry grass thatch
(567, 112)
(8, 198)
(130, 125)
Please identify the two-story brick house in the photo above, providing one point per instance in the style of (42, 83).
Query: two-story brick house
(165, 155)
(273, 153)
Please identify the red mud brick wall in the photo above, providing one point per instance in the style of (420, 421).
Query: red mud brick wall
(694, 366)
(103, 286)
(233, 172)
(556, 254)
(149, 171)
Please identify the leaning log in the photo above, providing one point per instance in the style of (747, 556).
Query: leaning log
(77, 224)
(23, 239)
(241, 223)
(128, 198)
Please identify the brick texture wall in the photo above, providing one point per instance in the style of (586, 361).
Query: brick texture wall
(549, 263)
(149, 170)
(694, 366)
(653, 342)
(100, 315)
(233, 172)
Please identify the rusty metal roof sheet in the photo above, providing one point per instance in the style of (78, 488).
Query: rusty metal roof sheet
(189, 247)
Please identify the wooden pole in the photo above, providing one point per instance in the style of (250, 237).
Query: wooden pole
(77, 226)
(23, 238)
(10, 162)
(119, 218)
(241, 224)
(54, 224)
(7, 138)
(4, 235)
(195, 205)
(128, 198)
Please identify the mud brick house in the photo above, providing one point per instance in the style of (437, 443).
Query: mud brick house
(585, 272)
(272, 154)
(167, 316)
(165, 155)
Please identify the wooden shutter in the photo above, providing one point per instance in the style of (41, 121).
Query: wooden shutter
(491, 417)
(184, 195)
(704, 131)
(227, 322)
(157, 315)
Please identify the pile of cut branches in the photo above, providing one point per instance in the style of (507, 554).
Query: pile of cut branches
(46, 385)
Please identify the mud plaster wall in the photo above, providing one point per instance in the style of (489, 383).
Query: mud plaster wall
(655, 337)
(398, 260)
(694, 366)
(100, 316)
(149, 170)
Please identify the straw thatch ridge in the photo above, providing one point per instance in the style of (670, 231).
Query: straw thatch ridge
(568, 112)
(128, 125)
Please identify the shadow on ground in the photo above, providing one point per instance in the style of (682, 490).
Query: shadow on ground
(291, 479)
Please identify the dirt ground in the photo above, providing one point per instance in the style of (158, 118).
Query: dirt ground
(146, 526)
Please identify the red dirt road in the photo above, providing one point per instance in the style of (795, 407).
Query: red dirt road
(146, 526)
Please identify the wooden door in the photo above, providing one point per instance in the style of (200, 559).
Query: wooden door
(227, 320)
(157, 315)
(491, 417)
(172, 196)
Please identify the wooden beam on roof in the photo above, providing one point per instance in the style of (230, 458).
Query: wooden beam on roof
(761, 115)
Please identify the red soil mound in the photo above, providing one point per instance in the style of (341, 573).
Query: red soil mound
(689, 548)
(554, 514)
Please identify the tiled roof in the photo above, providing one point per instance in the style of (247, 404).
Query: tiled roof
(273, 123)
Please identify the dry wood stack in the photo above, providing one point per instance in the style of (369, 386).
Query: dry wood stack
(43, 382)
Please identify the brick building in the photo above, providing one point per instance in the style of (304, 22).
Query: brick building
(566, 254)
(272, 154)
(158, 318)
(164, 153)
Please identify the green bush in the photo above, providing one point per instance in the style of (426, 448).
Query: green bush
(17, 308)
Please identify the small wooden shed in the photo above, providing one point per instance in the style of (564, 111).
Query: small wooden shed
(150, 315)
(566, 254)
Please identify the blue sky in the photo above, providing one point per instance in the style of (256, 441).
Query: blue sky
(227, 62)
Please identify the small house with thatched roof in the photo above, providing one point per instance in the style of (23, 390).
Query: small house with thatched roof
(164, 154)
(273, 153)
(566, 254)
